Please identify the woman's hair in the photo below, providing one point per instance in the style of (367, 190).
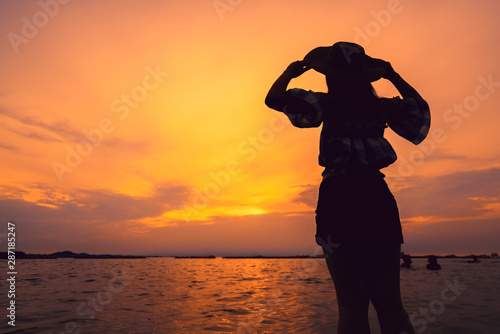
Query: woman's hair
(354, 102)
(360, 91)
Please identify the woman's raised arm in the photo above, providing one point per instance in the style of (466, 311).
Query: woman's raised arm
(403, 87)
(276, 97)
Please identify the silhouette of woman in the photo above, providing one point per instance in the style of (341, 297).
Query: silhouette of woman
(357, 219)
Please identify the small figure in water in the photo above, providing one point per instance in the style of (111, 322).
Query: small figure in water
(433, 263)
(474, 260)
(406, 260)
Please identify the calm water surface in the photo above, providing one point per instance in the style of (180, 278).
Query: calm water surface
(166, 295)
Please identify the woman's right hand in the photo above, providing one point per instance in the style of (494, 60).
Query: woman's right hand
(276, 97)
(297, 68)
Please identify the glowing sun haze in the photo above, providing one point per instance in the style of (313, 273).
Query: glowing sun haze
(139, 127)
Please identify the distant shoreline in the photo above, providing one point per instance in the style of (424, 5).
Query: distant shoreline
(71, 255)
(68, 255)
(482, 256)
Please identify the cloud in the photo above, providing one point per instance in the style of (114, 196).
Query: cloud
(25, 132)
(44, 212)
(61, 128)
(443, 154)
(456, 195)
(455, 236)
(140, 146)
(7, 147)
(106, 222)
(269, 234)
(61, 131)
(308, 196)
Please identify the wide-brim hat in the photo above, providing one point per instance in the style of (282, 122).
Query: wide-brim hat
(344, 61)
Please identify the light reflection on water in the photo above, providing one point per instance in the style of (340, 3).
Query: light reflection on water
(166, 295)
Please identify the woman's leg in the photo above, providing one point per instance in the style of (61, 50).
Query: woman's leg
(384, 290)
(348, 275)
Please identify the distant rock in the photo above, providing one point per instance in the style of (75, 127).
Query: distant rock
(69, 255)
(66, 254)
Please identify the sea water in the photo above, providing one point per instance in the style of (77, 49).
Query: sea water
(221, 295)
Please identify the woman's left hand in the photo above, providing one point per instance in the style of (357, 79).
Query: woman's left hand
(389, 71)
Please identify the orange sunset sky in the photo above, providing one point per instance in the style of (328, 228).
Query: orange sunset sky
(140, 127)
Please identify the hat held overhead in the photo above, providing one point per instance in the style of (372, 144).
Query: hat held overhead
(345, 61)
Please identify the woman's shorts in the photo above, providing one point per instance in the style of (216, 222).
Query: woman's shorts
(357, 209)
